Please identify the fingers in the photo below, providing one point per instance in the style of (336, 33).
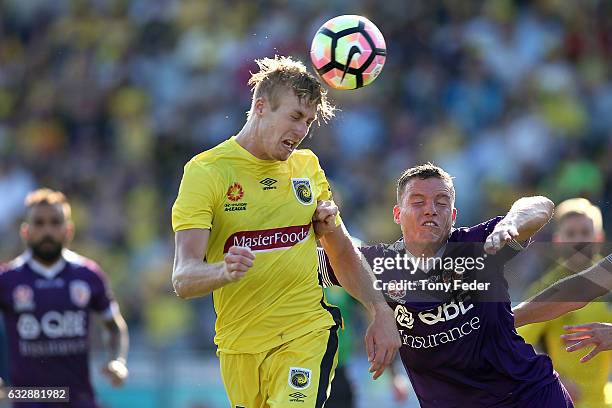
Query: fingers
(591, 354)
(378, 366)
(238, 261)
(370, 348)
(581, 344)
(580, 327)
(572, 337)
(500, 237)
(324, 210)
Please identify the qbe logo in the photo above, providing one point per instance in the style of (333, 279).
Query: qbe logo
(52, 324)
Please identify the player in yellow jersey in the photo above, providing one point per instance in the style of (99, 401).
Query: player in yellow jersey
(576, 221)
(245, 223)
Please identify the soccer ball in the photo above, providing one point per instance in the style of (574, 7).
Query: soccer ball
(348, 52)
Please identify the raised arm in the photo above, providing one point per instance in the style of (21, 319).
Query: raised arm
(194, 277)
(566, 295)
(526, 216)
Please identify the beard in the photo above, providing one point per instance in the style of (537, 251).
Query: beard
(47, 250)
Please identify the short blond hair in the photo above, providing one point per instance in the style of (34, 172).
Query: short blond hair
(278, 73)
(579, 206)
(48, 197)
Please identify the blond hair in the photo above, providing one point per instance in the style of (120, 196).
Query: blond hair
(48, 197)
(579, 206)
(278, 73)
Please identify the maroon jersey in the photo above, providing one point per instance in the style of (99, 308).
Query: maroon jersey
(46, 314)
(459, 346)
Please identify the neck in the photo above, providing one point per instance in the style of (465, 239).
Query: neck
(426, 250)
(46, 262)
(247, 138)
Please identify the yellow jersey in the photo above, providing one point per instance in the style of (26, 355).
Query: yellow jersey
(267, 206)
(590, 377)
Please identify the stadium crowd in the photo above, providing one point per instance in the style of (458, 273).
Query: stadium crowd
(107, 99)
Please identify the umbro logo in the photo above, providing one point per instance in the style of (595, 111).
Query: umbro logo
(297, 397)
(268, 183)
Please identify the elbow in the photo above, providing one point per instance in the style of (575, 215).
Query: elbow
(178, 283)
(548, 208)
(543, 212)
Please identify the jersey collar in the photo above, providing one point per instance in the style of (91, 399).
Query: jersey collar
(48, 272)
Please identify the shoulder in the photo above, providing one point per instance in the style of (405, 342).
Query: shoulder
(305, 157)
(476, 233)
(13, 266)
(210, 159)
(380, 249)
(85, 268)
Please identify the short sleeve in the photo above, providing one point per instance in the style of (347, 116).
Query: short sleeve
(326, 272)
(196, 197)
(101, 296)
(323, 188)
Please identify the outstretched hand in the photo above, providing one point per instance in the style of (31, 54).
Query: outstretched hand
(581, 336)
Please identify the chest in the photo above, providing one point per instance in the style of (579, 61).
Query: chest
(39, 295)
(272, 199)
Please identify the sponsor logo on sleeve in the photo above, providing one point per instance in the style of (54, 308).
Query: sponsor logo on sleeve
(299, 378)
(302, 190)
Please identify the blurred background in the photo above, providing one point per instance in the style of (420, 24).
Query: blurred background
(107, 99)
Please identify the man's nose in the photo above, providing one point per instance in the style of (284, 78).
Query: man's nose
(430, 208)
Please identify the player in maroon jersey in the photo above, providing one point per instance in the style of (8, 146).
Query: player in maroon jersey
(46, 295)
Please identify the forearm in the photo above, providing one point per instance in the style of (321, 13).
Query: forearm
(194, 278)
(529, 214)
(352, 272)
(119, 342)
(540, 311)
(566, 295)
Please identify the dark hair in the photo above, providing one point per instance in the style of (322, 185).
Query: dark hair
(423, 171)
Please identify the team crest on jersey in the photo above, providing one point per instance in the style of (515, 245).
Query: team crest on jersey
(302, 190)
(396, 294)
(299, 378)
(23, 298)
(80, 293)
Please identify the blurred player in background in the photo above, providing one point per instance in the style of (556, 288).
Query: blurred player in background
(244, 230)
(460, 348)
(580, 222)
(46, 295)
(567, 295)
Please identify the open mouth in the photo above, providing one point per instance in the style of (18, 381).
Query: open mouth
(430, 224)
(289, 144)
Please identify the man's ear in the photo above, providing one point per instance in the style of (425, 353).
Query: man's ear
(23, 231)
(259, 106)
(396, 214)
(455, 212)
(69, 231)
